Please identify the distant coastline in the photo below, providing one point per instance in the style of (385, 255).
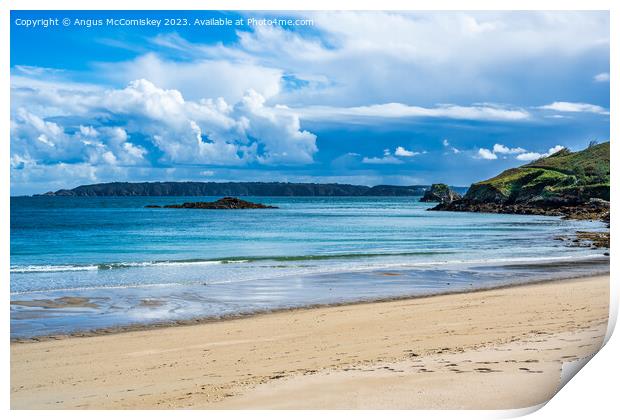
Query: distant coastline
(263, 189)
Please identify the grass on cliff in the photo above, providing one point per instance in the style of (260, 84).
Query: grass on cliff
(584, 172)
(590, 166)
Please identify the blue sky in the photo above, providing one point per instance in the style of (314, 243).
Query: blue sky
(365, 98)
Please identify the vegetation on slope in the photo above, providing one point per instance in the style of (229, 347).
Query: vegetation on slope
(560, 179)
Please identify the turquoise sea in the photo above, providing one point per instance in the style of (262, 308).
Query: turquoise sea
(138, 266)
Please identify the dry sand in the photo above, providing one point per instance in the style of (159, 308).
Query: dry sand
(501, 348)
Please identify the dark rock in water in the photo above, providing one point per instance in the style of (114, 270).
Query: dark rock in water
(152, 206)
(226, 203)
(440, 193)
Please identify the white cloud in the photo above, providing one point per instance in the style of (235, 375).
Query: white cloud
(208, 131)
(43, 139)
(447, 144)
(197, 79)
(136, 152)
(402, 152)
(530, 156)
(555, 149)
(575, 107)
(107, 146)
(88, 131)
(421, 48)
(51, 144)
(501, 149)
(398, 110)
(432, 44)
(109, 158)
(486, 154)
(601, 77)
(387, 159)
(279, 133)
(521, 153)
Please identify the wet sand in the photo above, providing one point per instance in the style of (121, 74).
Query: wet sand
(501, 348)
(60, 303)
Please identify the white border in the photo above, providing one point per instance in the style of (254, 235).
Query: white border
(593, 393)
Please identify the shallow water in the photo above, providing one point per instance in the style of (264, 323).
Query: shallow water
(142, 265)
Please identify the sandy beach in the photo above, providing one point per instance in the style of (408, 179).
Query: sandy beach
(501, 348)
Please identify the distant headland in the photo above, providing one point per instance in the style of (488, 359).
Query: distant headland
(262, 189)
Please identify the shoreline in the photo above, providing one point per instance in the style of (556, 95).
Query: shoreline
(468, 350)
(137, 327)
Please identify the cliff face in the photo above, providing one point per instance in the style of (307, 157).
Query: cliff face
(564, 183)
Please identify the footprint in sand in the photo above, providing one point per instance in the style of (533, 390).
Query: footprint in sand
(526, 370)
(486, 370)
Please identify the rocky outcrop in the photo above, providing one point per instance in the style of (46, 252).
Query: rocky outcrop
(585, 239)
(226, 203)
(440, 193)
(591, 210)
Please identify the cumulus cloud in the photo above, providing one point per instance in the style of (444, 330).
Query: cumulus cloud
(37, 141)
(279, 133)
(199, 78)
(386, 159)
(32, 137)
(390, 158)
(402, 152)
(529, 156)
(601, 77)
(575, 107)
(521, 153)
(486, 154)
(501, 149)
(170, 128)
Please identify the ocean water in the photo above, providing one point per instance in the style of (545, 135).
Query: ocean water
(137, 265)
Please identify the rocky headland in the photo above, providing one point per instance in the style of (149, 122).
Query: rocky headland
(574, 185)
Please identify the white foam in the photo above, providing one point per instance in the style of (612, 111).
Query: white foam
(51, 268)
